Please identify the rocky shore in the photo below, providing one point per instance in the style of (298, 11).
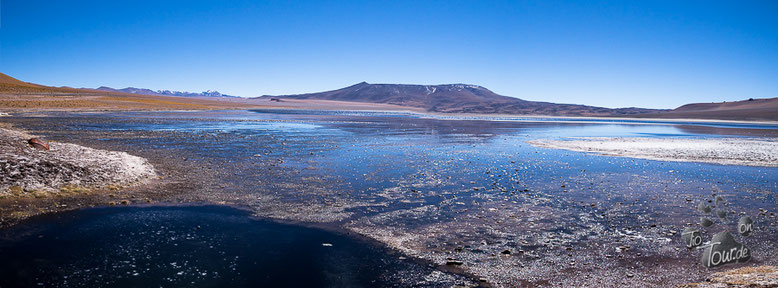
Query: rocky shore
(29, 168)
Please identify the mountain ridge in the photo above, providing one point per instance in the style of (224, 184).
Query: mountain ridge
(144, 91)
(457, 98)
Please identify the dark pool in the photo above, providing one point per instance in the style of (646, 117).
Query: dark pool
(203, 246)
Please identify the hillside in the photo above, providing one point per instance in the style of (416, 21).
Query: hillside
(752, 109)
(20, 95)
(9, 84)
(456, 98)
(6, 80)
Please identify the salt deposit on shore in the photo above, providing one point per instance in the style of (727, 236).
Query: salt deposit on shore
(729, 151)
(24, 168)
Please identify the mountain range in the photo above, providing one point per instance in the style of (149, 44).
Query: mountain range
(457, 98)
(143, 91)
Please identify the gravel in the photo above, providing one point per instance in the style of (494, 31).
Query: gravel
(28, 169)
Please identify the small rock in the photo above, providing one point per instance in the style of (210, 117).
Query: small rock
(38, 144)
(721, 213)
(454, 262)
(704, 208)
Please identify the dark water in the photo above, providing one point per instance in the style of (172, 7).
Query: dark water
(183, 247)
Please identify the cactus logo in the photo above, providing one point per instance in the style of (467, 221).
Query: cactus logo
(723, 248)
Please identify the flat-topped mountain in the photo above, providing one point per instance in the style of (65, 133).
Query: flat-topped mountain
(457, 98)
(143, 91)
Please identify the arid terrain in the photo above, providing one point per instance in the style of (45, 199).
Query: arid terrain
(453, 99)
(751, 109)
(22, 96)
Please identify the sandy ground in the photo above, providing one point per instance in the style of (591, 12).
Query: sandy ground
(763, 276)
(109, 102)
(27, 170)
(729, 151)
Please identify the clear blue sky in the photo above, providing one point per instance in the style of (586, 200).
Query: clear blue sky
(657, 54)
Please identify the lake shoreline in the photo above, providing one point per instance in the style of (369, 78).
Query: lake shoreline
(186, 179)
(345, 106)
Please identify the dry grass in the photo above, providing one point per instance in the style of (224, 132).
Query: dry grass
(759, 276)
(109, 101)
(18, 95)
(28, 104)
(156, 102)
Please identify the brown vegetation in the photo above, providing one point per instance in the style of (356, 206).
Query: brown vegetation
(19, 95)
(751, 109)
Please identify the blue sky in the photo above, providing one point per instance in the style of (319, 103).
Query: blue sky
(656, 54)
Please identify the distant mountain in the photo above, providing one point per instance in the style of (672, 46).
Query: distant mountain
(457, 98)
(143, 91)
(751, 109)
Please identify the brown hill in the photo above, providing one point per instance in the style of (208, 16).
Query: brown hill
(751, 109)
(456, 98)
(19, 95)
(9, 84)
(10, 81)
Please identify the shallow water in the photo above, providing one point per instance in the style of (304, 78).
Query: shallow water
(442, 187)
